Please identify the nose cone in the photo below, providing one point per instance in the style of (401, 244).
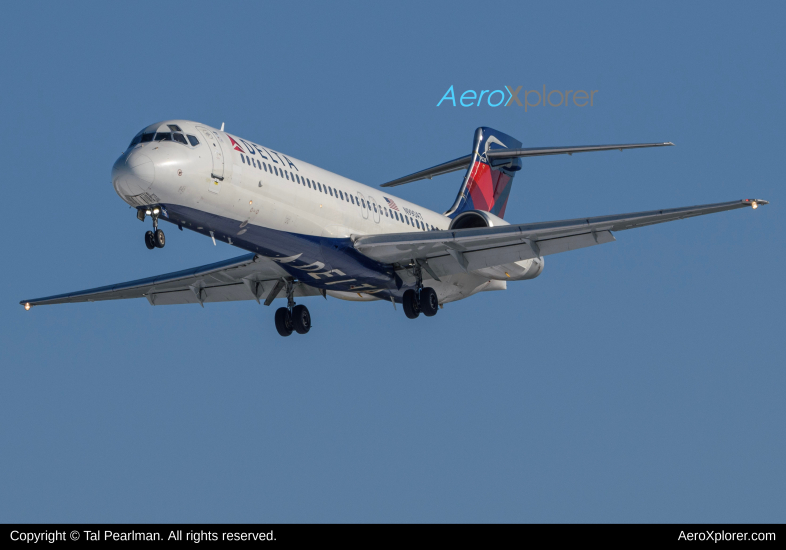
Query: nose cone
(133, 174)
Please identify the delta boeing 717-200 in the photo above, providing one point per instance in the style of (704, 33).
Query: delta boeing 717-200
(309, 232)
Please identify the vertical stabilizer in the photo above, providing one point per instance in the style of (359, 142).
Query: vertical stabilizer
(486, 185)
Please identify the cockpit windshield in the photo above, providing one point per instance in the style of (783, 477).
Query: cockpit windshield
(141, 138)
(175, 135)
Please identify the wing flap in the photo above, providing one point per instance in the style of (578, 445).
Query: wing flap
(226, 293)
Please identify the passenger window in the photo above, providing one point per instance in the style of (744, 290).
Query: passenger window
(193, 140)
(297, 178)
(180, 138)
(352, 199)
(320, 186)
(375, 207)
(309, 183)
(341, 194)
(330, 189)
(243, 158)
(286, 174)
(407, 218)
(276, 169)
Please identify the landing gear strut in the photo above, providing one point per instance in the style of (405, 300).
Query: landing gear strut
(292, 317)
(155, 238)
(421, 300)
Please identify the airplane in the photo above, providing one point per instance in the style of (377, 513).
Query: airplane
(310, 232)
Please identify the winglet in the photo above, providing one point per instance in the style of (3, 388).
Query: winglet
(754, 203)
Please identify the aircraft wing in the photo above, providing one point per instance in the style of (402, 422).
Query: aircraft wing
(248, 277)
(453, 251)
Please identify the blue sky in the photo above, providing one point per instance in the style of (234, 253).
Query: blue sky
(636, 381)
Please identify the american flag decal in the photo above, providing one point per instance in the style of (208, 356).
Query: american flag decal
(392, 204)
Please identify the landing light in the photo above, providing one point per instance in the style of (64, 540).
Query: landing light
(156, 211)
(27, 307)
(754, 205)
(148, 212)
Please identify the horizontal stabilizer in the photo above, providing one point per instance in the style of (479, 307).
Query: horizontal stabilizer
(496, 154)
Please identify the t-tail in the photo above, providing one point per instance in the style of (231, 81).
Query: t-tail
(487, 183)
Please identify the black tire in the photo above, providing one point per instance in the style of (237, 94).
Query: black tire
(159, 239)
(429, 303)
(301, 319)
(149, 240)
(411, 305)
(283, 321)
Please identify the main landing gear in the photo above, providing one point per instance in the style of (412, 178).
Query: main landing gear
(155, 238)
(292, 317)
(422, 300)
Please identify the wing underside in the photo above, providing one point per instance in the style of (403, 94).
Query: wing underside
(248, 277)
(251, 277)
(453, 251)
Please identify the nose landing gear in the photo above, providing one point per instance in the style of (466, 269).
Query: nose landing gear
(292, 318)
(155, 238)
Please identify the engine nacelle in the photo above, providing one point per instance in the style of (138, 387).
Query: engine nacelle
(516, 271)
(476, 218)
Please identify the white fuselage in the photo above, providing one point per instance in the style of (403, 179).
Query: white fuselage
(267, 202)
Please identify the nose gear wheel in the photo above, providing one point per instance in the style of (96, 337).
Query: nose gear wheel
(155, 238)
